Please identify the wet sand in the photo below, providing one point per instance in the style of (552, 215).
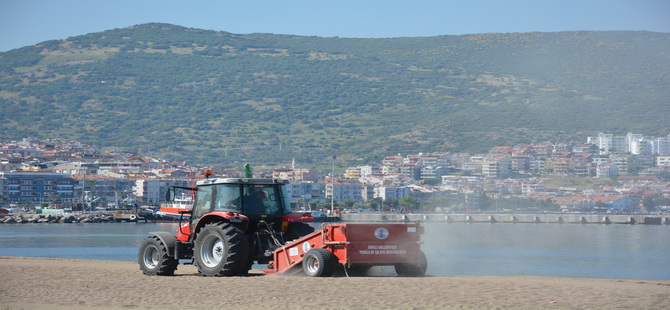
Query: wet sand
(41, 283)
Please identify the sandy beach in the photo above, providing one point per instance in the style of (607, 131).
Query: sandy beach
(41, 283)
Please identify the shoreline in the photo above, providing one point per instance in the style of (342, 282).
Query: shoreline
(489, 218)
(47, 283)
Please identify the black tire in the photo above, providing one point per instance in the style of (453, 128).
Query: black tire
(413, 270)
(221, 249)
(297, 230)
(154, 259)
(319, 263)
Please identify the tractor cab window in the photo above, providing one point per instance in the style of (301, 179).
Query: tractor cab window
(228, 198)
(260, 200)
(203, 202)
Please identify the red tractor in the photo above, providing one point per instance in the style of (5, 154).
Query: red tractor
(234, 223)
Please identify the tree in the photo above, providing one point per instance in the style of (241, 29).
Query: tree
(434, 181)
(53, 199)
(374, 204)
(409, 203)
(390, 204)
(649, 203)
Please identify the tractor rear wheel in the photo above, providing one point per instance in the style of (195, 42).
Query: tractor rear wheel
(319, 263)
(413, 270)
(221, 249)
(154, 259)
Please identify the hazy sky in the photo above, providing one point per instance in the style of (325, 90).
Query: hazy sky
(28, 22)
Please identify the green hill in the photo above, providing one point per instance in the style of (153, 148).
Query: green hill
(219, 98)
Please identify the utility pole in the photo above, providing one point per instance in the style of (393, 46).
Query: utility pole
(83, 197)
(332, 188)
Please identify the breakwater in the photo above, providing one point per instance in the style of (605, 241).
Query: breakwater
(511, 218)
(97, 217)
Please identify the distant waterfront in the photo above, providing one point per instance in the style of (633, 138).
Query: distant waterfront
(570, 250)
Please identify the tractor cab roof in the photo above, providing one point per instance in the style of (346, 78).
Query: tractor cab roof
(258, 181)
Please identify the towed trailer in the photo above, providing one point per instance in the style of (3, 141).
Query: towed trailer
(356, 247)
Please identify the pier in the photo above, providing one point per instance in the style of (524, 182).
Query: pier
(558, 218)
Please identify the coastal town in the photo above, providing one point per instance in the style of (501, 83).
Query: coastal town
(613, 174)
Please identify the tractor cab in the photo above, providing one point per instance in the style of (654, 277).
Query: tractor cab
(252, 200)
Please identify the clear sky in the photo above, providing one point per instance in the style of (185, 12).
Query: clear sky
(28, 22)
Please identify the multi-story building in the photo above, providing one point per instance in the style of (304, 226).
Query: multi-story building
(74, 168)
(37, 187)
(606, 171)
(542, 149)
(584, 169)
(532, 186)
(298, 175)
(411, 170)
(110, 191)
(520, 163)
(661, 145)
(341, 191)
(152, 191)
(392, 161)
(390, 169)
(353, 173)
(630, 143)
(118, 167)
(370, 170)
(391, 192)
(585, 148)
(625, 163)
(563, 165)
(459, 159)
(496, 166)
(538, 164)
(663, 160)
(641, 146)
(609, 143)
(432, 172)
(305, 192)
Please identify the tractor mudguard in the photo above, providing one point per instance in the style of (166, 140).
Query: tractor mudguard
(169, 240)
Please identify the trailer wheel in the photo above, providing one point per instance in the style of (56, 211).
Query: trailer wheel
(154, 259)
(221, 249)
(318, 263)
(413, 270)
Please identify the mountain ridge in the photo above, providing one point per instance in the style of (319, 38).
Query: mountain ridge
(220, 98)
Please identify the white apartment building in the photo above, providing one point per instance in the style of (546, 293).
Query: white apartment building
(344, 191)
(532, 186)
(606, 171)
(391, 192)
(661, 145)
(630, 143)
(663, 160)
(152, 191)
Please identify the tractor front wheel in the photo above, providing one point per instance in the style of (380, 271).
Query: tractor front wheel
(154, 259)
(221, 249)
(319, 263)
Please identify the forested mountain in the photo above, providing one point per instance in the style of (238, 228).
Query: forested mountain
(217, 97)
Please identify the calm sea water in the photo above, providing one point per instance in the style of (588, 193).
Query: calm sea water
(561, 250)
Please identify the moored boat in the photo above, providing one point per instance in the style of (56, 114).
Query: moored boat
(170, 212)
